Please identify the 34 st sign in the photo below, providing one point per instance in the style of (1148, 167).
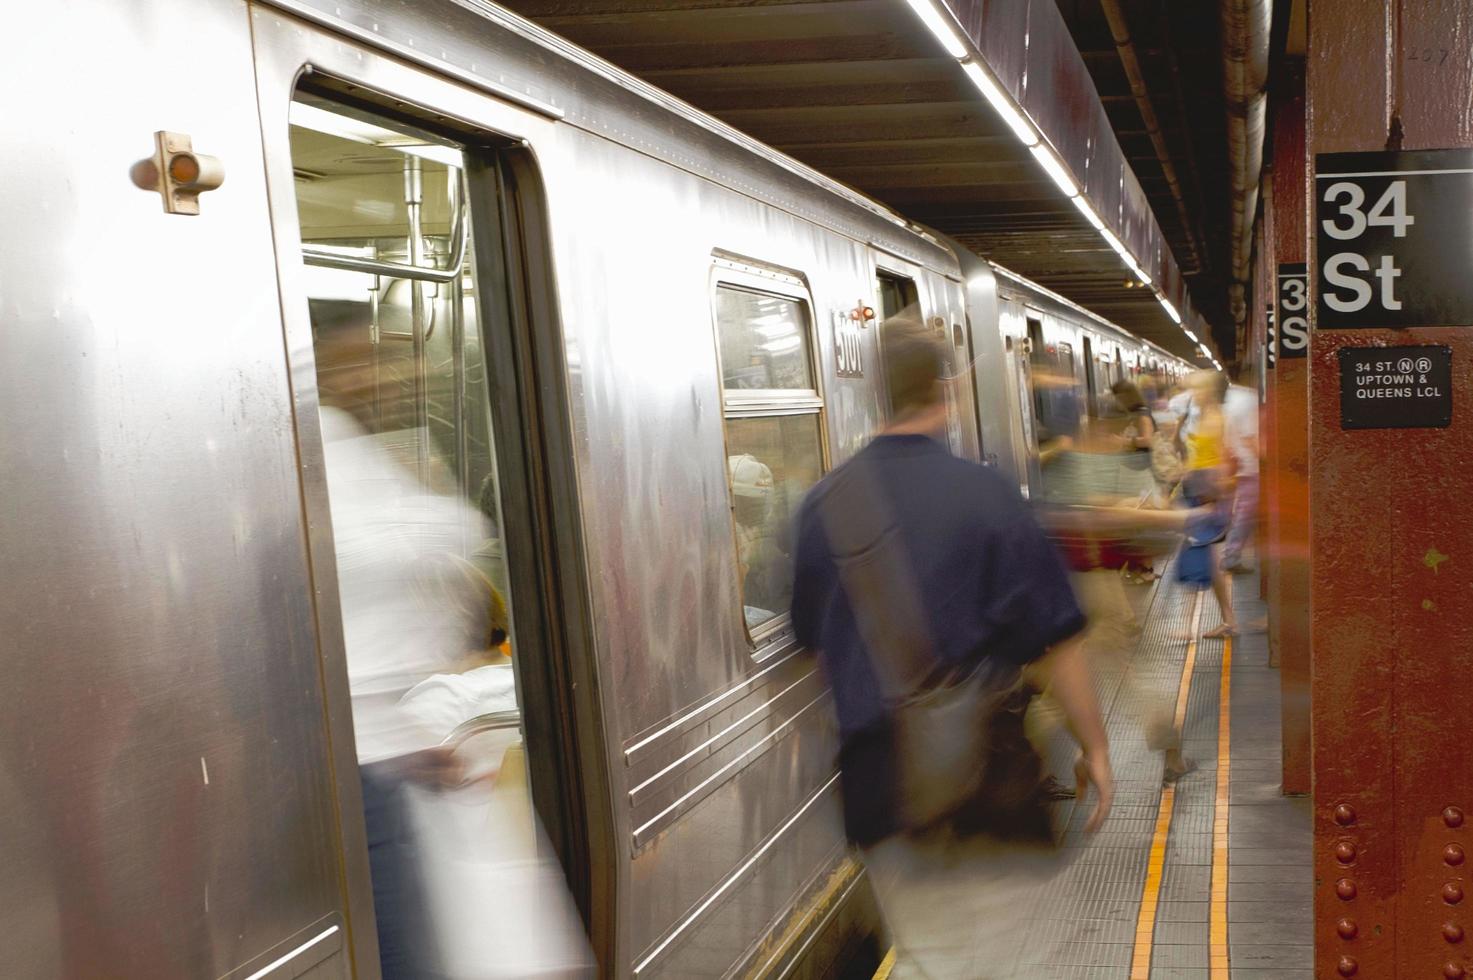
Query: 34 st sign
(1394, 234)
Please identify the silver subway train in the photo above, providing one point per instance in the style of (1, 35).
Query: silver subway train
(611, 340)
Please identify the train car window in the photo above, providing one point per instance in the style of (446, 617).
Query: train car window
(762, 341)
(774, 438)
(412, 489)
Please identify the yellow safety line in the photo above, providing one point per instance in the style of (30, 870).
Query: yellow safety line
(1145, 923)
(886, 965)
(1218, 936)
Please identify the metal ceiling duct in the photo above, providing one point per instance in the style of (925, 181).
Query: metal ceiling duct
(1245, 42)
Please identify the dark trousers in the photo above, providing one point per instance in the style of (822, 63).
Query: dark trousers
(398, 899)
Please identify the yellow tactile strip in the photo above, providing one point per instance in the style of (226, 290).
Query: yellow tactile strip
(1145, 925)
(1218, 935)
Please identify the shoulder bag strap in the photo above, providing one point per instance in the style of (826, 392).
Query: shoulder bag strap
(877, 577)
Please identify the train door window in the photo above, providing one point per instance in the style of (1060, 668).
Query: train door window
(774, 432)
(1041, 379)
(1035, 341)
(414, 501)
(895, 293)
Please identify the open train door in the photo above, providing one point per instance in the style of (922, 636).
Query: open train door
(437, 480)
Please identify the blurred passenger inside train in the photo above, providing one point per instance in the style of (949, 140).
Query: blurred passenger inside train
(423, 630)
(917, 571)
(466, 616)
(762, 562)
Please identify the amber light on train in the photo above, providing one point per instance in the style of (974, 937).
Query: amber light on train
(184, 168)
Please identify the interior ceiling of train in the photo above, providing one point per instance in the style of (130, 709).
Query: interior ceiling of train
(861, 91)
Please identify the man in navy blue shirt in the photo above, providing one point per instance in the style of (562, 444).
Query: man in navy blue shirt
(989, 584)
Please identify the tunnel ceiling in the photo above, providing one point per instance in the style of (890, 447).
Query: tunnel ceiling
(1179, 49)
(859, 90)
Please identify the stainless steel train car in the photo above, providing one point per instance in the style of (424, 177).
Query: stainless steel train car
(270, 265)
(1041, 333)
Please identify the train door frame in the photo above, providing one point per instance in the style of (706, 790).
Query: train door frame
(905, 279)
(1032, 352)
(533, 432)
(1024, 437)
(1091, 383)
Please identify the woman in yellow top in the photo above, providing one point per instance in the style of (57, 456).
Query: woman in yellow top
(1207, 479)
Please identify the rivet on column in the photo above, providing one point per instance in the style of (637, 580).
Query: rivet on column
(1452, 893)
(1452, 816)
(1345, 888)
(1347, 929)
(1345, 815)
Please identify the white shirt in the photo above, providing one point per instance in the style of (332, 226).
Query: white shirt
(1240, 415)
(382, 523)
(1184, 409)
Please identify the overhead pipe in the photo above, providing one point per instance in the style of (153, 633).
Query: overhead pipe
(1183, 113)
(1120, 31)
(1246, 25)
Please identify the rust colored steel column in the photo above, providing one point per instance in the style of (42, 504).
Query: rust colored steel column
(1392, 539)
(1289, 602)
(1262, 286)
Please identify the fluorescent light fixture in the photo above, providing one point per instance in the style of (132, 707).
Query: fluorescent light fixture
(358, 131)
(1088, 212)
(1190, 336)
(940, 25)
(1054, 169)
(1205, 352)
(994, 94)
(1170, 310)
(1129, 260)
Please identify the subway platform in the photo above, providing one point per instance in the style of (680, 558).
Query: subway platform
(1209, 879)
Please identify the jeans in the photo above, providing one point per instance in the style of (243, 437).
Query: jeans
(398, 900)
(1245, 514)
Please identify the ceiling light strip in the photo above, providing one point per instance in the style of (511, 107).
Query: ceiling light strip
(993, 93)
(1055, 169)
(943, 26)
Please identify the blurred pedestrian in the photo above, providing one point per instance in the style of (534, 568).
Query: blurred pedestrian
(1207, 483)
(914, 565)
(1240, 411)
